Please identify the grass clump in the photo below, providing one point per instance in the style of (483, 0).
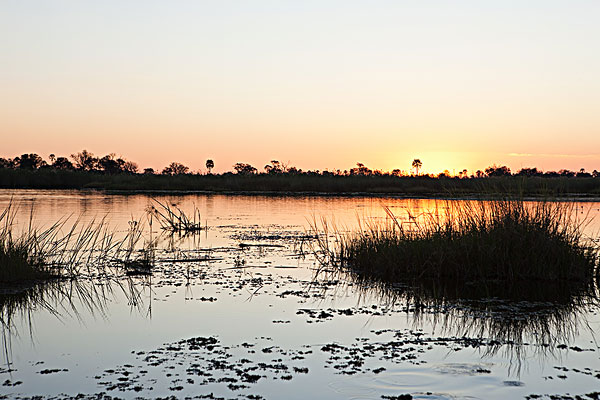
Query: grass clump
(29, 254)
(174, 220)
(22, 257)
(505, 240)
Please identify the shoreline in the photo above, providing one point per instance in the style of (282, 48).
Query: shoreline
(575, 197)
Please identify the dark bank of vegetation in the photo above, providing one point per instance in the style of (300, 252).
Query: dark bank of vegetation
(85, 171)
(500, 241)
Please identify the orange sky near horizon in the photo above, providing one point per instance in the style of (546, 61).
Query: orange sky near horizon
(317, 85)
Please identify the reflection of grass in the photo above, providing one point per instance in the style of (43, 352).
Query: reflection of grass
(503, 318)
(59, 297)
(65, 269)
(506, 313)
(480, 241)
(62, 269)
(506, 271)
(515, 320)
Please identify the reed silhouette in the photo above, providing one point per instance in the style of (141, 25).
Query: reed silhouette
(505, 240)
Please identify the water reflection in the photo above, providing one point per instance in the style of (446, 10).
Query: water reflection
(65, 298)
(259, 282)
(511, 319)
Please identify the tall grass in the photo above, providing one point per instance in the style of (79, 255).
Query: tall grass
(23, 257)
(62, 268)
(504, 240)
(29, 253)
(174, 220)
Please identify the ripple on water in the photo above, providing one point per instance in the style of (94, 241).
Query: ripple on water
(412, 381)
(407, 380)
(358, 386)
(469, 369)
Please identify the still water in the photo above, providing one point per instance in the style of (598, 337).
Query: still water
(255, 320)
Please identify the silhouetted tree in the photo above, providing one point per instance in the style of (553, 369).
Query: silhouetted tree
(566, 173)
(417, 164)
(63, 163)
(175, 168)
(85, 161)
(360, 169)
(130, 167)
(110, 165)
(52, 158)
(29, 161)
(6, 163)
(148, 171)
(494, 170)
(583, 174)
(274, 168)
(529, 172)
(551, 174)
(595, 173)
(210, 164)
(243, 168)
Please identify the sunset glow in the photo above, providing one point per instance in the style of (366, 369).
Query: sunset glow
(318, 85)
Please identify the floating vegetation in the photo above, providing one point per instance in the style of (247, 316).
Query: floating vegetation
(479, 241)
(173, 219)
(474, 269)
(138, 267)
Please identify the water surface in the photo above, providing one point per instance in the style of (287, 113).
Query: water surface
(256, 323)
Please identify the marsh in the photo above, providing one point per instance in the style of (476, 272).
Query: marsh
(308, 330)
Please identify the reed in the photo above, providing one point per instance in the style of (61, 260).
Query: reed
(65, 267)
(505, 240)
(23, 257)
(173, 219)
(66, 251)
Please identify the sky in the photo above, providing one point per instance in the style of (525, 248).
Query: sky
(317, 84)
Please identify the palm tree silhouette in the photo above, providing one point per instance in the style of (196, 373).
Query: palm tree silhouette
(210, 164)
(416, 164)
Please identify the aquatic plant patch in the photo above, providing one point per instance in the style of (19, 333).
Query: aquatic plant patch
(479, 241)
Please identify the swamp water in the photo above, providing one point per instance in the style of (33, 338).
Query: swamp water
(255, 321)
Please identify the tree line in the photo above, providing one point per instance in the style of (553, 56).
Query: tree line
(111, 164)
(82, 161)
